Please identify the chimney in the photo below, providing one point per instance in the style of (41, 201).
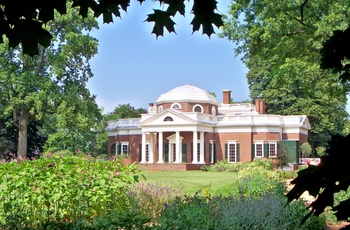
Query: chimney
(226, 96)
(262, 106)
(257, 105)
(151, 108)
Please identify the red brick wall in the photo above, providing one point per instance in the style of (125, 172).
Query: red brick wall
(188, 107)
(134, 142)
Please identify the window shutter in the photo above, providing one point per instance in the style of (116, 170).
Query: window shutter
(238, 153)
(184, 153)
(140, 152)
(166, 152)
(119, 149)
(214, 153)
(266, 150)
(128, 150)
(226, 151)
(191, 152)
(253, 151)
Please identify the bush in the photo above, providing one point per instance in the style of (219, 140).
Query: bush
(268, 212)
(222, 166)
(62, 189)
(150, 197)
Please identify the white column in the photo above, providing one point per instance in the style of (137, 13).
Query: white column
(143, 148)
(151, 148)
(160, 148)
(201, 156)
(195, 161)
(178, 150)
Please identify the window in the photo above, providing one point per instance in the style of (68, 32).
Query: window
(272, 149)
(212, 151)
(147, 152)
(122, 148)
(168, 118)
(176, 106)
(160, 109)
(198, 151)
(198, 109)
(231, 152)
(213, 111)
(259, 149)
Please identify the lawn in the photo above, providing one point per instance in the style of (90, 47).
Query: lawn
(195, 180)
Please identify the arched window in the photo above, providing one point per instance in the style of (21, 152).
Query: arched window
(213, 111)
(168, 118)
(198, 109)
(160, 109)
(176, 106)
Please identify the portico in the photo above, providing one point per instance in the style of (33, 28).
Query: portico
(165, 139)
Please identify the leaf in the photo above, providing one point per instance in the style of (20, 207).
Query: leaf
(161, 19)
(175, 6)
(29, 33)
(48, 7)
(204, 16)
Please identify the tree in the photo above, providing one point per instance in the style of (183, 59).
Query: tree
(280, 44)
(125, 111)
(306, 149)
(23, 22)
(33, 88)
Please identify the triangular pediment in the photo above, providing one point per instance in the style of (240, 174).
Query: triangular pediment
(168, 117)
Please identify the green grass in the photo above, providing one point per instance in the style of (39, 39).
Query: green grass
(193, 181)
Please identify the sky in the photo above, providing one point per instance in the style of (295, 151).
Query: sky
(133, 66)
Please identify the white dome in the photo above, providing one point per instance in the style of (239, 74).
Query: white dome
(187, 93)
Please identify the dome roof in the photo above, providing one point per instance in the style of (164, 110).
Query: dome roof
(187, 93)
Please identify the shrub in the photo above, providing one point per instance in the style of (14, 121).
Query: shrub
(62, 189)
(150, 197)
(223, 166)
(267, 212)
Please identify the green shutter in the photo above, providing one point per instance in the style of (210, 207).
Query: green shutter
(214, 153)
(204, 152)
(238, 153)
(184, 153)
(166, 152)
(191, 152)
(253, 151)
(266, 150)
(226, 151)
(140, 152)
(119, 149)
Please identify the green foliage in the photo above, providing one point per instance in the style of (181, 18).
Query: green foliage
(150, 197)
(321, 151)
(267, 212)
(63, 189)
(124, 219)
(306, 149)
(282, 53)
(282, 158)
(222, 166)
(49, 89)
(125, 111)
(331, 176)
(31, 32)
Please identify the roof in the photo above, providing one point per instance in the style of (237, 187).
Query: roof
(187, 93)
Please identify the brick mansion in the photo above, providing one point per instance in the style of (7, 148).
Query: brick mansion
(187, 127)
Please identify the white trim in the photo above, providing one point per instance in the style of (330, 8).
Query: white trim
(194, 108)
(174, 104)
(276, 151)
(262, 149)
(228, 151)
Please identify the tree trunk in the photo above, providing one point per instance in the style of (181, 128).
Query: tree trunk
(23, 118)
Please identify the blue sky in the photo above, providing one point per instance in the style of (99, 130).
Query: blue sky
(132, 66)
